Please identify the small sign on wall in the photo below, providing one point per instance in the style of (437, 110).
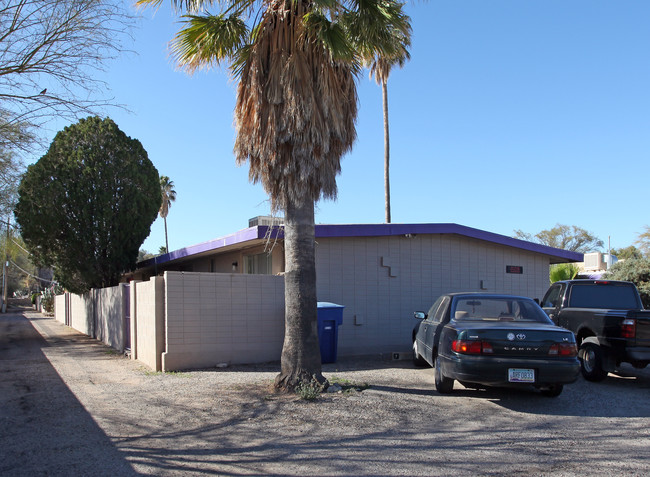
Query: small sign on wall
(514, 269)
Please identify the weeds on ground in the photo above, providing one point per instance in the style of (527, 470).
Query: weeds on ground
(348, 386)
(180, 374)
(309, 390)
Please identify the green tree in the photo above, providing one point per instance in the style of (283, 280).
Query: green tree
(11, 170)
(168, 196)
(144, 255)
(162, 250)
(636, 271)
(87, 205)
(380, 68)
(564, 237)
(295, 118)
(50, 51)
(643, 241)
(627, 252)
(563, 271)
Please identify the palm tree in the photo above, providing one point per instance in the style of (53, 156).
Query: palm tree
(380, 67)
(295, 113)
(168, 196)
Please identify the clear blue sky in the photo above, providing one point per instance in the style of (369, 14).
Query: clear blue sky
(510, 115)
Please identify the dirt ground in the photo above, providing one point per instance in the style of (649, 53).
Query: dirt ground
(72, 406)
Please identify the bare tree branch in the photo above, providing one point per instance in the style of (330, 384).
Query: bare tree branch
(50, 54)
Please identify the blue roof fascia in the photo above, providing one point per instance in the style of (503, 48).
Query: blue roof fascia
(362, 230)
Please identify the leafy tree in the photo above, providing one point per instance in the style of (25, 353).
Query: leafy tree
(168, 196)
(294, 115)
(380, 68)
(563, 271)
(162, 250)
(49, 52)
(643, 241)
(11, 170)
(636, 271)
(564, 237)
(87, 205)
(144, 255)
(627, 252)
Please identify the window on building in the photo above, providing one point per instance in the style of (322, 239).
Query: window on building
(259, 264)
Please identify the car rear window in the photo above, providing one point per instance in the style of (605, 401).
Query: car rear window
(498, 309)
(607, 296)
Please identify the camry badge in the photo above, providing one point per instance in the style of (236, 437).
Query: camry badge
(521, 336)
(511, 336)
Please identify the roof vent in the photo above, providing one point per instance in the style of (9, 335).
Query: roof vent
(265, 220)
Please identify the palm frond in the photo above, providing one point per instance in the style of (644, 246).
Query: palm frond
(332, 35)
(206, 41)
(378, 28)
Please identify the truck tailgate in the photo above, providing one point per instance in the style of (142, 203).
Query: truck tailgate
(642, 327)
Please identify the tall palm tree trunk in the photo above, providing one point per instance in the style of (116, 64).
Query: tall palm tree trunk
(166, 241)
(384, 94)
(300, 360)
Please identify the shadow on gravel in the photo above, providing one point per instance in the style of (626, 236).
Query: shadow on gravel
(612, 398)
(44, 429)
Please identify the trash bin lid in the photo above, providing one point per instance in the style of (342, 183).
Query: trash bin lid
(326, 304)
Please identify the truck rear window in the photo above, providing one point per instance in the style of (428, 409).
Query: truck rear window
(590, 295)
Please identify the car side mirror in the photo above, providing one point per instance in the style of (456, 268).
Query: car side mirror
(420, 315)
(536, 300)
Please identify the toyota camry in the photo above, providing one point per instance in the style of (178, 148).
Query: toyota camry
(481, 339)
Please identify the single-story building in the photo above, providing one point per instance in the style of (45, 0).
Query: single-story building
(216, 305)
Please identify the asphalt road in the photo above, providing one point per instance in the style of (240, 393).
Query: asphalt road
(71, 406)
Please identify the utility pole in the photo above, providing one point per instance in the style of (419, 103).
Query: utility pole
(4, 270)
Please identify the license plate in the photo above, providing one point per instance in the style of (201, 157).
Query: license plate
(516, 375)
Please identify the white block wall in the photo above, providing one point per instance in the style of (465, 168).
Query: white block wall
(214, 318)
(381, 281)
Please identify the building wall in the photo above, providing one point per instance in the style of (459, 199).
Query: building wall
(109, 315)
(148, 321)
(82, 314)
(59, 308)
(214, 318)
(98, 314)
(196, 320)
(381, 281)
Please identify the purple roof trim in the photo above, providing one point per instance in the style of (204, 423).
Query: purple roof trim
(378, 230)
(363, 230)
(251, 233)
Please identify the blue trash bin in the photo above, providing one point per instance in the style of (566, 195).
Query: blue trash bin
(330, 317)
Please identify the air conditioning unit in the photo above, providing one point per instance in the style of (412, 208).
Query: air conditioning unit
(595, 261)
(265, 220)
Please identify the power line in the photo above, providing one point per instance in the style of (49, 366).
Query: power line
(33, 276)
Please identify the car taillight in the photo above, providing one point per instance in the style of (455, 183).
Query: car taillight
(628, 328)
(566, 350)
(471, 347)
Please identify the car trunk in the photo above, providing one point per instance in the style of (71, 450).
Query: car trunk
(516, 341)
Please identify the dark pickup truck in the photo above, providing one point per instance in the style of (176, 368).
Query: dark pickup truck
(609, 322)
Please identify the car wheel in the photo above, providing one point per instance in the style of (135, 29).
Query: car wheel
(553, 390)
(417, 359)
(591, 361)
(444, 385)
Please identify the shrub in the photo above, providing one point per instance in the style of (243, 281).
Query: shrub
(309, 390)
(636, 271)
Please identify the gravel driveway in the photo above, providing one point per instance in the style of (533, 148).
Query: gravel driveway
(71, 406)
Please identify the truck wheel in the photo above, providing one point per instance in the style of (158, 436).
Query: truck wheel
(417, 359)
(591, 361)
(444, 385)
